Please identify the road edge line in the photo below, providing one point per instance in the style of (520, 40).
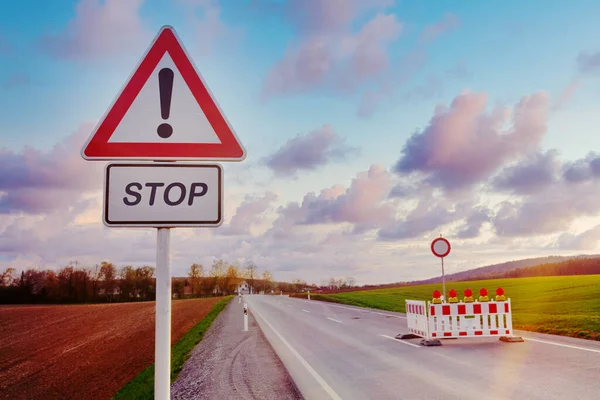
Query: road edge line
(561, 345)
(304, 363)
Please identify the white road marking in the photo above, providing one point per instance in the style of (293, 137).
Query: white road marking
(401, 341)
(563, 345)
(366, 311)
(289, 306)
(305, 310)
(334, 320)
(306, 365)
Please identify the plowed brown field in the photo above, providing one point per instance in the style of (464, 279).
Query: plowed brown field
(82, 351)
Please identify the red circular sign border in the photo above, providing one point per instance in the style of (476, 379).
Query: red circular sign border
(442, 255)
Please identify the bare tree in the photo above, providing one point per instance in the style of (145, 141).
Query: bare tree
(351, 281)
(108, 274)
(195, 274)
(217, 273)
(299, 284)
(267, 278)
(250, 273)
(7, 277)
(231, 278)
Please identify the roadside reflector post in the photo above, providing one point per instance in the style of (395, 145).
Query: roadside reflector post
(309, 294)
(245, 317)
(162, 349)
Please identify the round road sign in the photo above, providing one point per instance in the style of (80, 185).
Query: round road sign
(440, 247)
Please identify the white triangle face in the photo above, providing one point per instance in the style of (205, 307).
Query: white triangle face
(140, 123)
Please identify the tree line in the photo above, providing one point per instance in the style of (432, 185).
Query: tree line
(586, 266)
(223, 278)
(103, 282)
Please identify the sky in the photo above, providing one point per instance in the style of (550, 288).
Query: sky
(371, 127)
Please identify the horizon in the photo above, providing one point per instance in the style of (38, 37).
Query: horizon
(370, 130)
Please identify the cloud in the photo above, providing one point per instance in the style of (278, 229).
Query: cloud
(248, 214)
(431, 32)
(549, 211)
(474, 222)
(384, 92)
(588, 63)
(566, 95)
(329, 54)
(99, 29)
(463, 144)
(16, 80)
(537, 171)
(308, 152)
(209, 27)
(587, 240)
(35, 181)
(582, 170)
(429, 214)
(459, 71)
(410, 64)
(363, 204)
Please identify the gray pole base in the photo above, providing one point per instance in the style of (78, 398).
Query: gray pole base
(430, 342)
(511, 339)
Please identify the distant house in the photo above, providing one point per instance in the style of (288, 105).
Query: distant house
(187, 289)
(115, 291)
(243, 288)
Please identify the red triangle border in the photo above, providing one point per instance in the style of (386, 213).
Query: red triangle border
(98, 147)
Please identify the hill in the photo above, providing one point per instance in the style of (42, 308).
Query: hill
(501, 270)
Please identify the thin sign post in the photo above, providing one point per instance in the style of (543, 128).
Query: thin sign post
(440, 247)
(162, 349)
(165, 112)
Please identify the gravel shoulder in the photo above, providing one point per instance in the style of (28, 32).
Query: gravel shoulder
(229, 363)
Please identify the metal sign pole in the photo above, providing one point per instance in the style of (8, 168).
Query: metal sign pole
(162, 348)
(443, 280)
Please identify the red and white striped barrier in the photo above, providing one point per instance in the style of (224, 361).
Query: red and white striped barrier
(416, 316)
(483, 319)
(436, 319)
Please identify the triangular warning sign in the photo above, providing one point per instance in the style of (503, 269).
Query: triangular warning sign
(164, 112)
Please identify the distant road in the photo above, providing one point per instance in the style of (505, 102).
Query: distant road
(335, 351)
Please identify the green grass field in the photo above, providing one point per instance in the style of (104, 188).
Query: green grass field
(561, 305)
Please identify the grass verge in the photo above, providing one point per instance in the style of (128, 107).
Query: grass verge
(142, 386)
(560, 305)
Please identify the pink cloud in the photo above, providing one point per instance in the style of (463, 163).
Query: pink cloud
(587, 240)
(431, 32)
(362, 204)
(209, 27)
(99, 29)
(463, 144)
(329, 53)
(384, 92)
(567, 94)
(308, 152)
(35, 181)
(249, 213)
(430, 213)
(532, 174)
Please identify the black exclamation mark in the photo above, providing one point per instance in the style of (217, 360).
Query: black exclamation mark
(165, 87)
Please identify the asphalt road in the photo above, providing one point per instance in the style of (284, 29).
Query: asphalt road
(341, 352)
